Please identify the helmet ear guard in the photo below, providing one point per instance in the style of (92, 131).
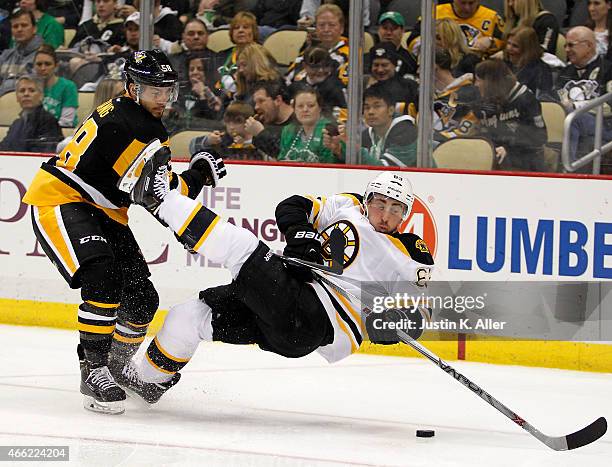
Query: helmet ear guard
(393, 185)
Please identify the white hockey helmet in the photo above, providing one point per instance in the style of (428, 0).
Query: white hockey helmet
(395, 185)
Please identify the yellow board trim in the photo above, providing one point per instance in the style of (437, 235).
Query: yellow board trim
(582, 356)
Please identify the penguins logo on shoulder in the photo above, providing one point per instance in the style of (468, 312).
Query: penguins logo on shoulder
(351, 242)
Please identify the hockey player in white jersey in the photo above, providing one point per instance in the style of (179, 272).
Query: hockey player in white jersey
(283, 309)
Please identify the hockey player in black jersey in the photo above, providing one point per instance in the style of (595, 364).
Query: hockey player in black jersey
(80, 219)
(267, 303)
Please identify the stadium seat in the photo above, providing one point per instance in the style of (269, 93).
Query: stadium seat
(464, 153)
(368, 42)
(10, 108)
(560, 52)
(554, 117)
(3, 132)
(68, 132)
(179, 144)
(285, 45)
(68, 36)
(220, 40)
(86, 100)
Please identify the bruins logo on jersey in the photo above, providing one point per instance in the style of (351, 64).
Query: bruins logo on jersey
(420, 244)
(351, 242)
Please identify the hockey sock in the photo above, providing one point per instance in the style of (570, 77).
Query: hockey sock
(96, 324)
(186, 325)
(205, 232)
(127, 338)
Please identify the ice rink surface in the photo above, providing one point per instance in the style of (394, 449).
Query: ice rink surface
(245, 407)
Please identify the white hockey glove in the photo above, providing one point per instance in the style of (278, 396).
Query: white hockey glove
(211, 167)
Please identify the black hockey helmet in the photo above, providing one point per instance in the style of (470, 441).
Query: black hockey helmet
(150, 67)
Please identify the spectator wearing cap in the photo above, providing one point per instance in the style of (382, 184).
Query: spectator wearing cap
(320, 74)
(194, 41)
(391, 28)
(383, 64)
(18, 59)
(132, 36)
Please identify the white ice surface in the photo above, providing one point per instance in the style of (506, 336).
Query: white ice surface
(242, 406)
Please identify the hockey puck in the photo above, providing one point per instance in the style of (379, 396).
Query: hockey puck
(425, 433)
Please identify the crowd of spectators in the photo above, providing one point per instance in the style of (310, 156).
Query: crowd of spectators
(493, 71)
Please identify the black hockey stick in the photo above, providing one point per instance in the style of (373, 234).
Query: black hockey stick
(580, 438)
(336, 245)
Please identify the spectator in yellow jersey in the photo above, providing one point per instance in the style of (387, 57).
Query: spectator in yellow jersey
(482, 26)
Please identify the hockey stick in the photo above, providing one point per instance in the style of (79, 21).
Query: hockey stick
(336, 245)
(580, 438)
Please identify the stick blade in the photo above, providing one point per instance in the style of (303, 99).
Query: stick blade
(588, 434)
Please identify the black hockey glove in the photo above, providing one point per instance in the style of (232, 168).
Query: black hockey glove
(303, 243)
(210, 165)
(382, 327)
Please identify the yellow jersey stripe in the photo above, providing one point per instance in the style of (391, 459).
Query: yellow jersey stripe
(206, 234)
(180, 231)
(399, 245)
(347, 306)
(346, 331)
(128, 156)
(352, 198)
(168, 355)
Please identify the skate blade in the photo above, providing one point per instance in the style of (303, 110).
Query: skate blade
(132, 174)
(108, 408)
(133, 395)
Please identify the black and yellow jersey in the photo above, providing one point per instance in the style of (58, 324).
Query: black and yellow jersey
(339, 53)
(99, 153)
(485, 22)
(454, 109)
